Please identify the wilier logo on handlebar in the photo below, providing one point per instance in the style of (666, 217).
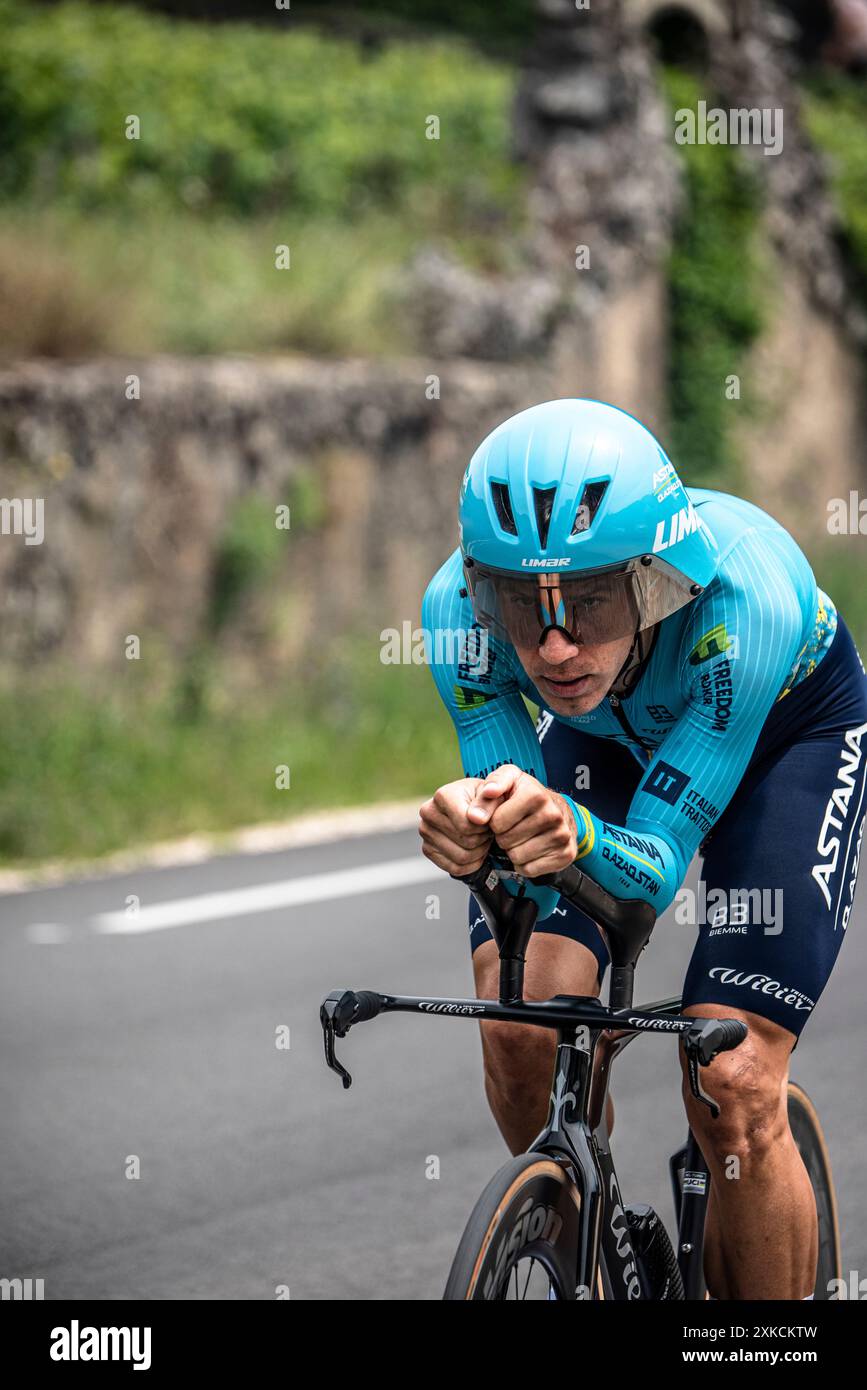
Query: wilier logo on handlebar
(666, 782)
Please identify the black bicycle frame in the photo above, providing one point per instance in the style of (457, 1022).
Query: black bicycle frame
(576, 1131)
(589, 1037)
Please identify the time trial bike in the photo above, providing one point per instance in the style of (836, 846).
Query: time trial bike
(552, 1223)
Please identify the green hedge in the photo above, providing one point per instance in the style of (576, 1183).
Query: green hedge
(714, 299)
(835, 111)
(503, 24)
(506, 21)
(240, 119)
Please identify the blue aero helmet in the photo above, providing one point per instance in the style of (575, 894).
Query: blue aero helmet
(572, 517)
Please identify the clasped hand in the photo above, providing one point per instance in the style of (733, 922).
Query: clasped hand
(531, 823)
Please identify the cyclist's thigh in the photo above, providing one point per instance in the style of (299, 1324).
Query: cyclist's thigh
(601, 774)
(779, 872)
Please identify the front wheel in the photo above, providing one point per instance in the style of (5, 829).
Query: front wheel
(522, 1239)
(810, 1143)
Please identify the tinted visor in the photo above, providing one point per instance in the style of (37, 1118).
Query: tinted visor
(601, 606)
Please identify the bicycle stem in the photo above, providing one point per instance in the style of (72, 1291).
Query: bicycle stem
(622, 987)
(625, 924)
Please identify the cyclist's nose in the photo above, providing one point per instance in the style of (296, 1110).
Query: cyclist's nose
(557, 647)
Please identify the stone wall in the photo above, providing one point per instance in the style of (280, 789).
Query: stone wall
(139, 493)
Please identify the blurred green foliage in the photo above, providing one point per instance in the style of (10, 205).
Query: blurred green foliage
(835, 111)
(714, 299)
(307, 503)
(249, 139)
(81, 776)
(238, 118)
(247, 560)
(717, 289)
(249, 554)
(72, 284)
(506, 24)
(838, 565)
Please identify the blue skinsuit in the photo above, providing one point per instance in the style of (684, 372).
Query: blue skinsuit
(714, 699)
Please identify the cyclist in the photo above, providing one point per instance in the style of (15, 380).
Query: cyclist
(696, 692)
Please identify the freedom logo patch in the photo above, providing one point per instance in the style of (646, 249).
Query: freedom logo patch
(713, 643)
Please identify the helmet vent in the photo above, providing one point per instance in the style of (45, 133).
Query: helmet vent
(591, 498)
(503, 506)
(543, 501)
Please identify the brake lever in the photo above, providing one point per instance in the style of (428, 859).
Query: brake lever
(694, 1065)
(706, 1039)
(335, 1015)
(339, 1011)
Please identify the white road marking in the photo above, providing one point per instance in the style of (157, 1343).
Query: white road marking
(266, 897)
(317, 828)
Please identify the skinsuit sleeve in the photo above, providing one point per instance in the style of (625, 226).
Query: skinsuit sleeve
(477, 680)
(739, 643)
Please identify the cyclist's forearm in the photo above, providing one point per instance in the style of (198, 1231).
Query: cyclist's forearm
(626, 863)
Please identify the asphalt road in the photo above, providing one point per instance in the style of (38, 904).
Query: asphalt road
(257, 1171)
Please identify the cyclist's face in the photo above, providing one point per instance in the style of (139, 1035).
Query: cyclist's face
(573, 677)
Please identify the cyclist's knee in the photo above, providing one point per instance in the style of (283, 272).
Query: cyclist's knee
(515, 1053)
(749, 1086)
